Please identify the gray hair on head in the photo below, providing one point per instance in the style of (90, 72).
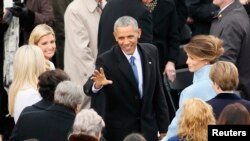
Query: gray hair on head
(88, 122)
(68, 94)
(125, 21)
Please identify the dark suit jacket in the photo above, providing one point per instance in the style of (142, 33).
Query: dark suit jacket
(41, 105)
(125, 111)
(224, 99)
(117, 8)
(165, 31)
(202, 12)
(233, 27)
(53, 124)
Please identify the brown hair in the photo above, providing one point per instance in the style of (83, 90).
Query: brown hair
(234, 114)
(225, 75)
(205, 47)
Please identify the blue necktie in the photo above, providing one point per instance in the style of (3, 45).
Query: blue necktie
(134, 68)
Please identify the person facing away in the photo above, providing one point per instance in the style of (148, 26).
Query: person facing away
(47, 83)
(202, 51)
(87, 126)
(194, 121)
(234, 114)
(118, 8)
(134, 93)
(54, 123)
(225, 78)
(44, 37)
(29, 63)
(232, 25)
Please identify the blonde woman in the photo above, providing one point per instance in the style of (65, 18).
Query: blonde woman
(194, 121)
(44, 37)
(202, 51)
(29, 63)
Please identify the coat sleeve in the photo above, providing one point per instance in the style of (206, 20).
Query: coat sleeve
(233, 35)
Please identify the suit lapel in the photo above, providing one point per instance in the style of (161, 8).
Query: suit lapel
(125, 67)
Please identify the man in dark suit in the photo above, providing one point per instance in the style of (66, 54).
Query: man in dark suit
(233, 27)
(111, 12)
(54, 123)
(117, 8)
(134, 93)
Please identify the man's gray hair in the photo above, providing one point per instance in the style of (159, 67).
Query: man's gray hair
(68, 94)
(88, 122)
(125, 21)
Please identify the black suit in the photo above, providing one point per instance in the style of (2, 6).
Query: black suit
(222, 100)
(165, 32)
(202, 12)
(125, 111)
(52, 124)
(41, 105)
(118, 8)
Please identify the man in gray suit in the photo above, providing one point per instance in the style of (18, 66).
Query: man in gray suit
(232, 25)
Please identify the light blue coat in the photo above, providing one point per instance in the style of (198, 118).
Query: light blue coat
(201, 88)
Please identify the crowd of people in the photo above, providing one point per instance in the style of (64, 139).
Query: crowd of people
(93, 70)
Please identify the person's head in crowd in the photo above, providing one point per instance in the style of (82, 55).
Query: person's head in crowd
(134, 137)
(87, 126)
(127, 33)
(28, 64)
(234, 114)
(194, 120)
(224, 76)
(44, 37)
(69, 94)
(48, 81)
(203, 50)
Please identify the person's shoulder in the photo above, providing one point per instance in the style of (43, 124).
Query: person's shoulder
(174, 138)
(147, 46)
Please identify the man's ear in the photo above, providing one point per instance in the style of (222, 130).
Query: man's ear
(114, 33)
(139, 33)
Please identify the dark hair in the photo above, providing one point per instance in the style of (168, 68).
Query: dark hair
(48, 81)
(234, 114)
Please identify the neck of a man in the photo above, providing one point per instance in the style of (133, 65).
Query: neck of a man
(226, 3)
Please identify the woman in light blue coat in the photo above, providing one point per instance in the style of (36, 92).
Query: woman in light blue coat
(202, 51)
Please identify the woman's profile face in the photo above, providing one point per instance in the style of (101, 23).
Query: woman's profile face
(48, 45)
(194, 64)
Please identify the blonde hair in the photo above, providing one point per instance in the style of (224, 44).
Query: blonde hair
(225, 75)
(205, 47)
(195, 118)
(29, 63)
(38, 32)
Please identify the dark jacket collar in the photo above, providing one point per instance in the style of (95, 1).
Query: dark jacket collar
(227, 96)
